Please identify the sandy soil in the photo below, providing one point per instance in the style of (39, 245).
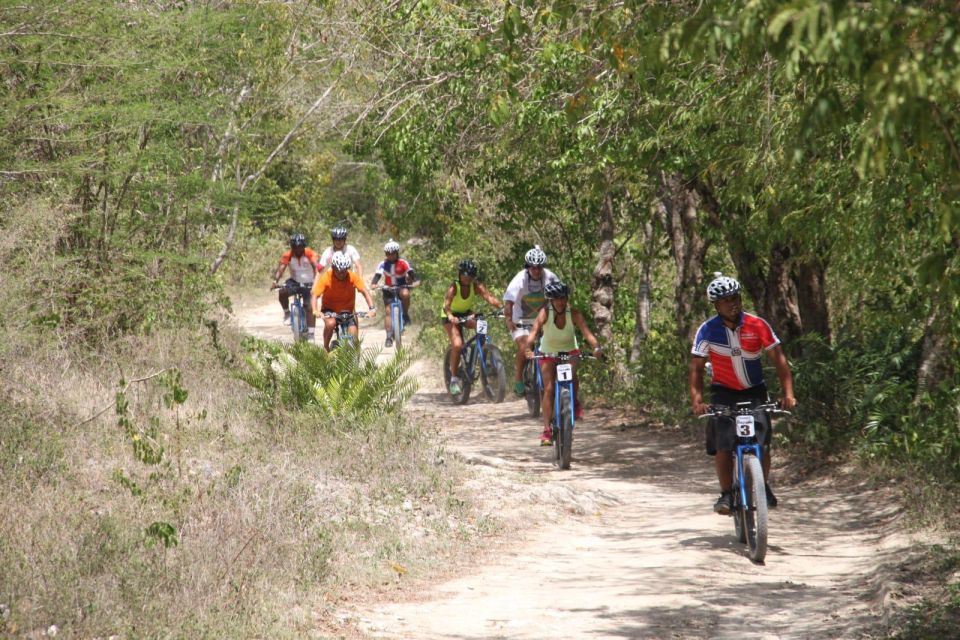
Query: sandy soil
(625, 543)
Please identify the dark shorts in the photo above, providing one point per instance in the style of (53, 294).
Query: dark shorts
(446, 320)
(389, 295)
(352, 322)
(720, 433)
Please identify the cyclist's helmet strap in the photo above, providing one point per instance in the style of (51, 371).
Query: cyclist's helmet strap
(722, 287)
(338, 233)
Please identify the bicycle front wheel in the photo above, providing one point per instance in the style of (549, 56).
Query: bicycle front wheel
(531, 390)
(739, 512)
(564, 436)
(297, 322)
(493, 374)
(396, 324)
(465, 381)
(755, 513)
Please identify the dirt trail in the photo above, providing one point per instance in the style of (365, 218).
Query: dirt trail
(625, 544)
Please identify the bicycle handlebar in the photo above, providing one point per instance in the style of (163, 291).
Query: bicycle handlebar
(565, 356)
(479, 316)
(724, 411)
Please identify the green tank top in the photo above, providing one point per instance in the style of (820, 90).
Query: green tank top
(462, 305)
(555, 339)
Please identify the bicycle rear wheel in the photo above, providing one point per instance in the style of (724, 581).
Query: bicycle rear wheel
(531, 390)
(493, 375)
(396, 324)
(563, 442)
(465, 382)
(755, 513)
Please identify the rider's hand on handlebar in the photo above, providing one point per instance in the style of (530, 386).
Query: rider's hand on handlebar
(788, 402)
(700, 408)
(597, 352)
(372, 312)
(530, 354)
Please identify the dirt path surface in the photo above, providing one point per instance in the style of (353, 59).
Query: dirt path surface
(625, 543)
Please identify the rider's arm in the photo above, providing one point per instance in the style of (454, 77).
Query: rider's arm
(281, 267)
(375, 279)
(534, 330)
(695, 380)
(486, 295)
(580, 323)
(779, 360)
(447, 301)
(355, 256)
(508, 315)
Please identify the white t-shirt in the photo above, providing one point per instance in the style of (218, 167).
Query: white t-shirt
(348, 249)
(526, 294)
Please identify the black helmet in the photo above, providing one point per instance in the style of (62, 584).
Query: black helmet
(298, 240)
(556, 290)
(468, 267)
(338, 233)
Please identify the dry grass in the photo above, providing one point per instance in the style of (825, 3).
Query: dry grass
(274, 516)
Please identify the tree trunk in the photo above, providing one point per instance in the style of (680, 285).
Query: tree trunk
(936, 360)
(678, 203)
(780, 308)
(642, 319)
(811, 278)
(601, 305)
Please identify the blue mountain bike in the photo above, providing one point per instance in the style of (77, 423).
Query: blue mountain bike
(342, 336)
(564, 404)
(394, 311)
(299, 301)
(479, 349)
(532, 380)
(749, 495)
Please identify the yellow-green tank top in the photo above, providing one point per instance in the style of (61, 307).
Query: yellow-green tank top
(463, 305)
(556, 340)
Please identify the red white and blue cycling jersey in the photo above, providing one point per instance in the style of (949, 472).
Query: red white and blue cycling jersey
(735, 353)
(394, 272)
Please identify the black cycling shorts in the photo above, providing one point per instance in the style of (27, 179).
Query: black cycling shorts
(721, 433)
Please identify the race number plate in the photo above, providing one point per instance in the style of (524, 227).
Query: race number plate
(745, 427)
(564, 372)
(482, 327)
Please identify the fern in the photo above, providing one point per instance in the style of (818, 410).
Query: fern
(347, 385)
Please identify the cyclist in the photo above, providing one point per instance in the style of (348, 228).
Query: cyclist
(557, 320)
(302, 263)
(458, 303)
(395, 271)
(336, 290)
(339, 237)
(522, 300)
(733, 341)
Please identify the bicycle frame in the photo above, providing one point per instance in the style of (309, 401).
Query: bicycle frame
(343, 319)
(300, 298)
(560, 384)
(474, 346)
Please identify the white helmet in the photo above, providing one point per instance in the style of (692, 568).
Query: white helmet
(535, 257)
(722, 287)
(392, 246)
(341, 261)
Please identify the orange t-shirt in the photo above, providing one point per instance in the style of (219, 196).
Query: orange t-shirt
(337, 295)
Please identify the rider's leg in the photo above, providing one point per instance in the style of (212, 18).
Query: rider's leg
(329, 326)
(354, 331)
(405, 300)
(387, 297)
(521, 358)
(548, 370)
(723, 461)
(456, 346)
(311, 323)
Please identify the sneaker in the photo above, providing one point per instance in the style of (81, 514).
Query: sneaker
(388, 342)
(286, 316)
(518, 388)
(724, 504)
(578, 412)
(771, 499)
(546, 438)
(455, 387)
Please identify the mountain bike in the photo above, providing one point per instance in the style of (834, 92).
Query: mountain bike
(299, 299)
(564, 405)
(532, 379)
(342, 335)
(478, 349)
(394, 311)
(749, 495)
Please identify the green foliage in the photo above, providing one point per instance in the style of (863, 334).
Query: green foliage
(346, 386)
